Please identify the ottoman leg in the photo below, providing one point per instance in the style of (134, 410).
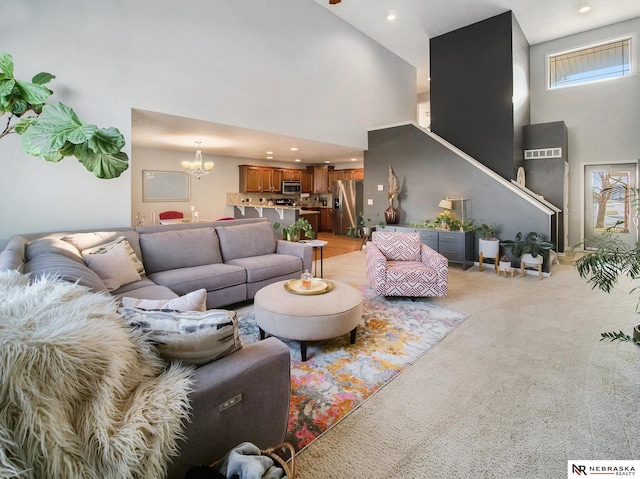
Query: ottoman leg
(262, 335)
(303, 350)
(353, 335)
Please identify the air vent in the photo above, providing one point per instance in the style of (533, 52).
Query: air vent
(543, 153)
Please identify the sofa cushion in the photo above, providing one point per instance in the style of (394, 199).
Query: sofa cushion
(398, 246)
(113, 265)
(242, 241)
(51, 245)
(121, 244)
(168, 250)
(194, 301)
(82, 241)
(210, 277)
(192, 337)
(268, 266)
(57, 265)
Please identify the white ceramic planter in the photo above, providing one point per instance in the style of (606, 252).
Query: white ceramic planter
(488, 248)
(505, 265)
(530, 260)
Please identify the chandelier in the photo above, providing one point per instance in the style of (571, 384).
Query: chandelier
(195, 167)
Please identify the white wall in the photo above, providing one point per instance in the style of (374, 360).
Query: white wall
(284, 66)
(603, 119)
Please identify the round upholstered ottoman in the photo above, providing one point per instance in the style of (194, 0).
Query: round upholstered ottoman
(305, 318)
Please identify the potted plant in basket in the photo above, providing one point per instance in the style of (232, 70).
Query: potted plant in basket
(531, 250)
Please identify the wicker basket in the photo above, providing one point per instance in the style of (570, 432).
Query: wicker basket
(279, 455)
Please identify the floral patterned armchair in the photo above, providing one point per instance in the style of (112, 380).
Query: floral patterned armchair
(399, 264)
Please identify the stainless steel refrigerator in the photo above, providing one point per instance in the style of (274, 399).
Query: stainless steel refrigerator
(347, 204)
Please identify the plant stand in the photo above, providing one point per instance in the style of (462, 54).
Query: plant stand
(506, 267)
(496, 261)
(532, 266)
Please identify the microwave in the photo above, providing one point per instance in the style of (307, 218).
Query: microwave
(291, 187)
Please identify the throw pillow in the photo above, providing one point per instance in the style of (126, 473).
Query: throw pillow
(113, 266)
(191, 337)
(120, 240)
(194, 301)
(398, 246)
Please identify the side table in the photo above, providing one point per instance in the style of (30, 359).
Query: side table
(317, 245)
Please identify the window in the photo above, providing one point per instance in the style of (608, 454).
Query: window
(589, 64)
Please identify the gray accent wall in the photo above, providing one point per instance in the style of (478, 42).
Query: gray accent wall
(477, 73)
(429, 171)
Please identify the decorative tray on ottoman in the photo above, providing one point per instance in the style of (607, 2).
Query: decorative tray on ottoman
(318, 286)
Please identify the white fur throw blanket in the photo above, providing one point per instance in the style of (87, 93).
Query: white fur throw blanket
(81, 394)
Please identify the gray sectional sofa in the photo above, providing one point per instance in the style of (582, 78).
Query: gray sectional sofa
(230, 259)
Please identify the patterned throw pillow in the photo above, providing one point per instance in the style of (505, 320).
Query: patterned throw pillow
(398, 246)
(194, 301)
(113, 266)
(192, 337)
(120, 240)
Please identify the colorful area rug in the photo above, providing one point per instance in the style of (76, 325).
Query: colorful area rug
(338, 376)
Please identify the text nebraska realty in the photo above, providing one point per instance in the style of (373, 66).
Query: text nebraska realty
(605, 470)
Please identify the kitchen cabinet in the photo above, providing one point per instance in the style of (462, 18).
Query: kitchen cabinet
(257, 179)
(306, 180)
(326, 219)
(291, 175)
(335, 175)
(456, 246)
(321, 178)
(347, 174)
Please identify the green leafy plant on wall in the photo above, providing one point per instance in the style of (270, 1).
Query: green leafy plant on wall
(53, 131)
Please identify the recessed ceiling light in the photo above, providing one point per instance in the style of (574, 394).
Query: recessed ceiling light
(391, 17)
(298, 160)
(354, 159)
(269, 152)
(269, 157)
(584, 7)
(327, 161)
(294, 149)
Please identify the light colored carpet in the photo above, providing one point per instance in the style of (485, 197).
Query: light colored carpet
(519, 388)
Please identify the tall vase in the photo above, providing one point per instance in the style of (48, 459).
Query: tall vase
(390, 214)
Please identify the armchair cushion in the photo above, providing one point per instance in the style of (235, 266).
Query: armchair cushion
(398, 246)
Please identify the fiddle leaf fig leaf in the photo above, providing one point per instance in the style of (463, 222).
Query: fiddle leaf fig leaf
(51, 130)
(32, 92)
(6, 66)
(42, 78)
(107, 141)
(6, 86)
(103, 165)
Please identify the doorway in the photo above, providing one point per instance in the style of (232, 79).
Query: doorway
(610, 202)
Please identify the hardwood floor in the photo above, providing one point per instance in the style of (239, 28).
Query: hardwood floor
(338, 244)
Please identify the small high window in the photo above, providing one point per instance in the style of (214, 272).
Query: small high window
(592, 63)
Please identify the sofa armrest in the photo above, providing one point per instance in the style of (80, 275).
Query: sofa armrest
(302, 250)
(260, 372)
